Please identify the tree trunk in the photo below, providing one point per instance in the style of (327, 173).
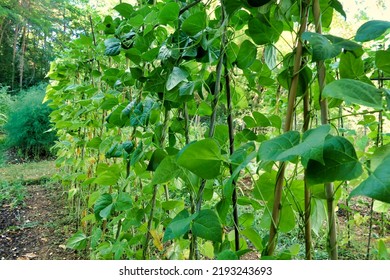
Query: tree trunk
(16, 35)
(23, 51)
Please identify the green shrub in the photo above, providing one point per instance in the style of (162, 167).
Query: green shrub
(6, 102)
(28, 125)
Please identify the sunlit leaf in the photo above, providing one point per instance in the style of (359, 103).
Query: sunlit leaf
(202, 158)
(194, 23)
(177, 76)
(355, 92)
(371, 30)
(78, 241)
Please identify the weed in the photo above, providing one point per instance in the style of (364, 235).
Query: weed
(13, 194)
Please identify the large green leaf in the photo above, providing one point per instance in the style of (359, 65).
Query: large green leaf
(176, 77)
(377, 185)
(371, 30)
(113, 46)
(103, 206)
(328, 46)
(232, 6)
(78, 241)
(322, 48)
(263, 33)
(124, 9)
(342, 43)
(227, 255)
(382, 60)
(351, 67)
(178, 226)
(107, 175)
(170, 12)
(254, 237)
(194, 23)
(123, 201)
(270, 150)
(265, 186)
(166, 170)
(355, 92)
(335, 4)
(202, 158)
(340, 160)
(311, 146)
(157, 157)
(207, 226)
(246, 55)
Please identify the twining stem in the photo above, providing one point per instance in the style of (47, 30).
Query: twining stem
(329, 188)
(213, 118)
(287, 127)
(155, 187)
(231, 150)
(217, 90)
(151, 214)
(308, 237)
(370, 230)
(378, 143)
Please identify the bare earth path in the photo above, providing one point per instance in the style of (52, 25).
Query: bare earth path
(37, 230)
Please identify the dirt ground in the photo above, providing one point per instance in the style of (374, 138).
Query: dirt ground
(38, 229)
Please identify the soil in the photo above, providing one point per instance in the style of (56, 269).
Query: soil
(37, 230)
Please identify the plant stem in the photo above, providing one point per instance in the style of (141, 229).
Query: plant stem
(217, 90)
(287, 127)
(213, 118)
(231, 149)
(151, 214)
(329, 188)
(308, 236)
(189, 6)
(370, 230)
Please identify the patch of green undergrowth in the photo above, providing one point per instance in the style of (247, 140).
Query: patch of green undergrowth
(12, 194)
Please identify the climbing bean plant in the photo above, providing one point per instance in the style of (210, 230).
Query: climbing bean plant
(187, 132)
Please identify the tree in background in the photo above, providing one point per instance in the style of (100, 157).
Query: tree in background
(32, 33)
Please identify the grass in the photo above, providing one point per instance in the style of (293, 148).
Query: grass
(28, 173)
(15, 177)
(13, 194)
